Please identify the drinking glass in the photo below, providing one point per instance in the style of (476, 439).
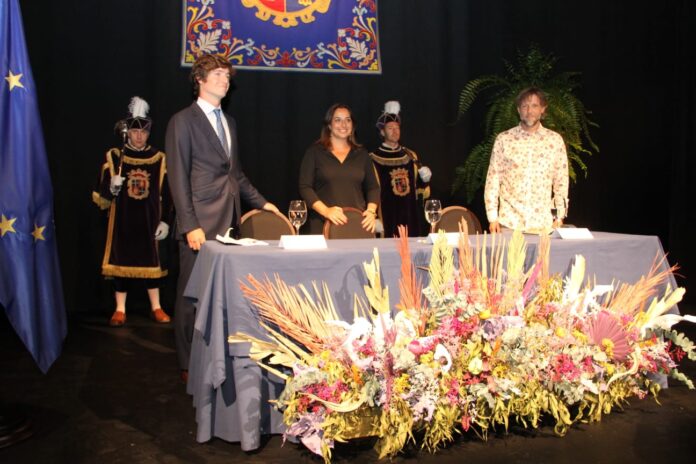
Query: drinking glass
(554, 210)
(297, 213)
(433, 211)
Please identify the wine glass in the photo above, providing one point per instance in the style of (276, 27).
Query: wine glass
(433, 211)
(297, 213)
(554, 210)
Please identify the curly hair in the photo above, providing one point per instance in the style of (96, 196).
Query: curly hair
(528, 92)
(206, 63)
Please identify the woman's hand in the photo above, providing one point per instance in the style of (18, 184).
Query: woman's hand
(369, 220)
(271, 207)
(336, 216)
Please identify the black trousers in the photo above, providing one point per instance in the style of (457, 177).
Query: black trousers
(127, 284)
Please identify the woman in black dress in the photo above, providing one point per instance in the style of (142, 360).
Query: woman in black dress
(337, 172)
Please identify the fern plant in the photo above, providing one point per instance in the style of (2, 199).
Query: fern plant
(565, 114)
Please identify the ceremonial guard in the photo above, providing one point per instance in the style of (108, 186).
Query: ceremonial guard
(403, 180)
(132, 186)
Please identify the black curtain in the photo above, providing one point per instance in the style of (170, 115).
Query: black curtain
(89, 58)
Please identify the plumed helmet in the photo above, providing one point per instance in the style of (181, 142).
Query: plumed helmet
(138, 119)
(390, 114)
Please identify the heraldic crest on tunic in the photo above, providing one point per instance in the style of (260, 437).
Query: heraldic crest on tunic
(401, 186)
(138, 183)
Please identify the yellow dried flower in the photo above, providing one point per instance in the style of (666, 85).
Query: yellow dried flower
(608, 347)
(475, 365)
(579, 336)
(402, 384)
(500, 371)
(609, 368)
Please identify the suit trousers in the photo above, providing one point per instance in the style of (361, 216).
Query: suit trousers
(184, 309)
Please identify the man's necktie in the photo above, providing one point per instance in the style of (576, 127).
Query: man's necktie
(221, 131)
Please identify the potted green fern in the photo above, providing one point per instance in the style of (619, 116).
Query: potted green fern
(566, 114)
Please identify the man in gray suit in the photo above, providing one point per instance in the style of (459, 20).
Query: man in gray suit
(206, 181)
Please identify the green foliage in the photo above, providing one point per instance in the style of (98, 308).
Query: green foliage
(565, 114)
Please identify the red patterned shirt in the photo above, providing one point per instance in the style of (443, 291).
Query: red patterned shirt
(527, 177)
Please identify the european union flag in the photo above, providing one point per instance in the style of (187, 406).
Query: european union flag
(30, 283)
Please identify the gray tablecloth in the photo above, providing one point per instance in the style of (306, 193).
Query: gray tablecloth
(230, 393)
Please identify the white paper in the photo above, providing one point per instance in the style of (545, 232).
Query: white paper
(452, 238)
(573, 233)
(302, 242)
(242, 241)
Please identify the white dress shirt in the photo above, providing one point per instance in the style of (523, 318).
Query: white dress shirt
(209, 111)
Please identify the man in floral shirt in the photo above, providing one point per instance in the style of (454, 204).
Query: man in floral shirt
(528, 172)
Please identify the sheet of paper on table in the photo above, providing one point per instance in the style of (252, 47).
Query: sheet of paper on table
(302, 242)
(241, 242)
(452, 238)
(573, 233)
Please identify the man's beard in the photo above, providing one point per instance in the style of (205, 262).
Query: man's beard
(529, 122)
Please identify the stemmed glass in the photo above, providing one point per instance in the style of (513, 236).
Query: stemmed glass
(297, 213)
(433, 211)
(554, 210)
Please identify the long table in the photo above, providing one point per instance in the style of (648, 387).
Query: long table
(231, 393)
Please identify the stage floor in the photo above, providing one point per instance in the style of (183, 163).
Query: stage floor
(114, 396)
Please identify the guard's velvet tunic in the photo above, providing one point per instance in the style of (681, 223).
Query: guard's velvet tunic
(131, 249)
(401, 187)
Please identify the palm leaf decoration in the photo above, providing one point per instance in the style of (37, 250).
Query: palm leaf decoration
(565, 114)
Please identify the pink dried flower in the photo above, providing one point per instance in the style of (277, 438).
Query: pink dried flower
(453, 391)
(422, 345)
(367, 349)
(466, 422)
(607, 333)
(587, 364)
(564, 368)
(677, 354)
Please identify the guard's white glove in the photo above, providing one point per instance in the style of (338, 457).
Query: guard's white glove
(379, 227)
(425, 173)
(162, 231)
(116, 184)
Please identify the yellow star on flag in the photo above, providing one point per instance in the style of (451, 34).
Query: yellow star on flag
(6, 226)
(38, 233)
(14, 80)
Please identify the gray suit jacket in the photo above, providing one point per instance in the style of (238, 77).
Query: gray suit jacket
(206, 185)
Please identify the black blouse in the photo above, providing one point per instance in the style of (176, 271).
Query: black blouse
(323, 177)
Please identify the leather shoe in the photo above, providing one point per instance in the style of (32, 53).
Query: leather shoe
(118, 318)
(160, 316)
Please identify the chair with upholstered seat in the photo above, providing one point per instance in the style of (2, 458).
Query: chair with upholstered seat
(265, 225)
(451, 215)
(352, 229)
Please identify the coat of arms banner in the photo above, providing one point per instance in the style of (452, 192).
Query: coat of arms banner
(285, 35)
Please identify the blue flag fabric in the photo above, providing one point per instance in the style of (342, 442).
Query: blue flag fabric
(30, 283)
(285, 35)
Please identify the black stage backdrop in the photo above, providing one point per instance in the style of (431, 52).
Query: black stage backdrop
(637, 68)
